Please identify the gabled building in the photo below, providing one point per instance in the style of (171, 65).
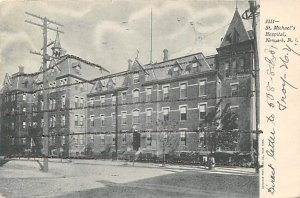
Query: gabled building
(162, 106)
(68, 84)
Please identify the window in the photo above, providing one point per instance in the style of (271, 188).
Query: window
(76, 102)
(242, 64)
(63, 81)
(92, 122)
(81, 102)
(42, 104)
(124, 117)
(50, 121)
(165, 92)
(183, 90)
(227, 70)
(234, 109)
(76, 120)
(63, 120)
(54, 121)
(183, 137)
(166, 111)
(135, 116)
(233, 67)
(24, 97)
(24, 109)
(102, 100)
(194, 64)
(149, 138)
(175, 69)
(136, 95)
(78, 84)
(183, 113)
(113, 117)
(34, 124)
(124, 138)
(148, 94)
(113, 99)
(50, 104)
(102, 139)
(113, 139)
(81, 120)
(53, 103)
(202, 111)
(81, 86)
(92, 138)
(136, 78)
(12, 125)
(234, 89)
(123, 95)
(201, 139)
(13, 97)
(148, 115)
(92, 102)
(63, 101)
(75, 139)
(102, 118)
(63, 140)
(202, 87)
(41, 88)
(80, 137)
(42, 122)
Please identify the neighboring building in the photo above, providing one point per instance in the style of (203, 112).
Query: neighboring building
(28, 107)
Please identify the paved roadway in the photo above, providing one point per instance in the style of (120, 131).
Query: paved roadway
(23, 179)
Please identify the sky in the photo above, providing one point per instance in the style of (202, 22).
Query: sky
(111, 32)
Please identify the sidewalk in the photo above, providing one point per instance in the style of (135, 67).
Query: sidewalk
(121, 163)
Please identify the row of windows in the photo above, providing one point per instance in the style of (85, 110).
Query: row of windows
(234, 67)
(79, 120)
(165, 89)
(149, 138)
(10, 98)
(149, 112)
(78, 102)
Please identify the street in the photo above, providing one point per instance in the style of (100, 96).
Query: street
(84, 178)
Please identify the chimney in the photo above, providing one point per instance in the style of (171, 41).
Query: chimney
(129, 64)
(21, 69)
(166, 56)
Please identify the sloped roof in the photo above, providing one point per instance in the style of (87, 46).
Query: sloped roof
(159, 71)
(101, 85)
(236, 31)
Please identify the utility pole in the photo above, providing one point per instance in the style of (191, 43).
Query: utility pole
(45, 58)
(252, 13)
(116, 119)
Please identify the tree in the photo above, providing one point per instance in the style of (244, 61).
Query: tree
(220, 125)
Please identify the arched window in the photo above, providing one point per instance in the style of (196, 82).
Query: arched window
(135, 116)
(136, 95)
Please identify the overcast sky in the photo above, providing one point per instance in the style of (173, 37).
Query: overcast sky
(110, 32)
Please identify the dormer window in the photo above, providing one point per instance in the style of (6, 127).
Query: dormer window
(136, 78)
(77, 67)
(194, 65)
(175, 69)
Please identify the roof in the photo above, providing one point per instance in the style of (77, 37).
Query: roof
(163, 70)
(236, 31)
(56, 42)
(108, 84)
